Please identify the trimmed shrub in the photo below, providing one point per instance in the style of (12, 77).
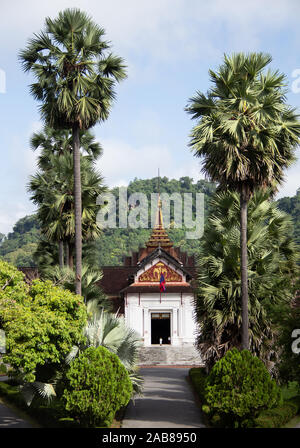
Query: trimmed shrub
(198, 377)
(238, 387)
(98, 385)
(277, 417)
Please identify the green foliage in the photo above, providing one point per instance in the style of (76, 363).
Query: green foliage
(74, 72)
(279, 416)
(198, 377)
(52, 190)
(90, 289)
(272, 269)
(240, 121)
(113, 244)
(291, 205)
(239, 387)
(51, 415)
(98, 385)
(289, 362)
(109, 331)
(41, 322)
(19, 245)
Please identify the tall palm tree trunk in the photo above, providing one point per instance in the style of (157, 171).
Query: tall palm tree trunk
(244, 269)
(71, 256)
(61, 253)
(78, 207)
(67, 253)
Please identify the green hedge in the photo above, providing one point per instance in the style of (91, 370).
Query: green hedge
(97, 386)
(270, 418)
(198, 376)
(52, 415)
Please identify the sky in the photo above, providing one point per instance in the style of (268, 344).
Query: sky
(168, 47)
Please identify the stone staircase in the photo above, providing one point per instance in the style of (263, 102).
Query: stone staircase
(169, 355)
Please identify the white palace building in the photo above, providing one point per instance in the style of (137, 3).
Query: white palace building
(165, 320)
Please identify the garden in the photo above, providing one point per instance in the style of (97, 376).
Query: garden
(68, 364)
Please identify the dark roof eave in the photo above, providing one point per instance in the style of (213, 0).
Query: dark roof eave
(170, 258)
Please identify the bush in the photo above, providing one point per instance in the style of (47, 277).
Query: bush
(52, 416)
(41, 322)
(198, 377)
(98, 385)
(277, 417)
(238, 387)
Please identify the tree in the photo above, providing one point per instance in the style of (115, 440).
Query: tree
(52, 191)
(75, 81)
(41, 322)
(239, 387)
(52, 141)
(271, 272)
(64, 277)
(110, 331)
(246, 135)
(97, 386)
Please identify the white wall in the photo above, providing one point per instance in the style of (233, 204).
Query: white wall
(138, 315)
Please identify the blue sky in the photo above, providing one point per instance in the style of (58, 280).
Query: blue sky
(168, 46)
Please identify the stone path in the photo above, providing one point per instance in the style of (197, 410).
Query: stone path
(168, 401)
(9, 418)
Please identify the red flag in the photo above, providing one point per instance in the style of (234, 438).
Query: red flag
(162, 284)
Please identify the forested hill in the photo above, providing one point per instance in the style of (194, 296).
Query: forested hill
(291, 205)
(18, 247)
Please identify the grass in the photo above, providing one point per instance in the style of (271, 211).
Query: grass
(290, 391)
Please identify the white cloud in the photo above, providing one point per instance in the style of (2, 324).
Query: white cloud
(122, 162)
(164, 30)
(292, 181)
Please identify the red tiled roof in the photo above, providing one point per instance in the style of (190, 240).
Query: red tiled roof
(116, 278)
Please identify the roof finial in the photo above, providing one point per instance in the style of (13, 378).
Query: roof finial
(158, 183)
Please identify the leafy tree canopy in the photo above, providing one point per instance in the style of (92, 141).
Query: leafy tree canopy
(41, 322)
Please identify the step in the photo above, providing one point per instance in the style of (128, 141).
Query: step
(169, 355)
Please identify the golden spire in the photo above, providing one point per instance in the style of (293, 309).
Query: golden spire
(159, 237)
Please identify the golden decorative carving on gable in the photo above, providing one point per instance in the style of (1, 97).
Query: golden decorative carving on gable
(153, 274)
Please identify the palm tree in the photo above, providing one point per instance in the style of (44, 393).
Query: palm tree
(52, 141)
(75, 80)
(52, 191)
(110, 331)
(271, 270)
(91, 278)
(246, 135)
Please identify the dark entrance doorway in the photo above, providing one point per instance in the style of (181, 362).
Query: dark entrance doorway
(160, 328)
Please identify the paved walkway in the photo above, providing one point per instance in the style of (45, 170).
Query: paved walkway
(9, 418)
(168, 401)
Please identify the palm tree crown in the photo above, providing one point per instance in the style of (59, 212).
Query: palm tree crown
(75, 77)
(246, 133)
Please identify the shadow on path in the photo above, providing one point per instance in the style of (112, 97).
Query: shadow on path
(168, 401)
